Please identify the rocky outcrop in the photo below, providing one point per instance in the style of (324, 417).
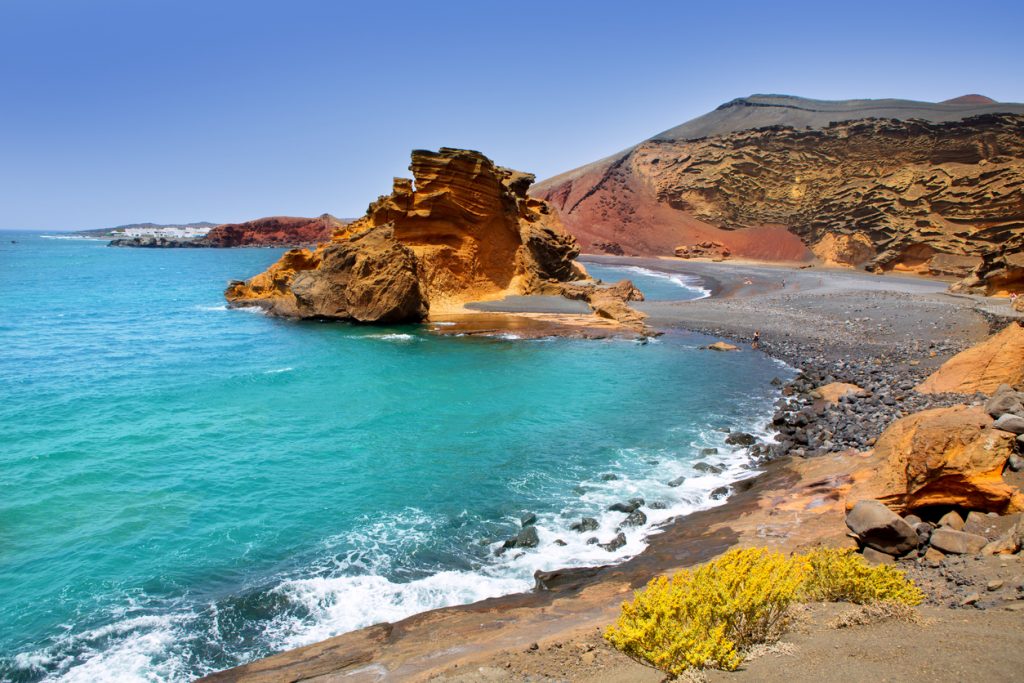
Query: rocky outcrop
(943, 458)
(983, 367)
(463, 230)
(893, 185)
(275, 231)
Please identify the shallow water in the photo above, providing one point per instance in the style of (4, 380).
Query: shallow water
(187, 487)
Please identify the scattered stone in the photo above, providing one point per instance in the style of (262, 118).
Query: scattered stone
(635, 518)
(952, 520)
(609, 477)
(527, 538)
(633, 504)
(614, 544)
(678, 481)
(708, 468)
(720, 493)
(991, 527)
(658, 505)
(912, 520)
(993, 585)
(875, 557)
(955, 542)
(528, 519)
(593, 540)
(1004, 400)
(740, 439)
(560, 542)
(709, 451)
(880, 528)
(1010, 423)
(721, 346)
(971, 599)
(1015, 462)
(584, 525)
(933, 557)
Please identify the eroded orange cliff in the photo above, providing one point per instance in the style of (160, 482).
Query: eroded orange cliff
(462, 230)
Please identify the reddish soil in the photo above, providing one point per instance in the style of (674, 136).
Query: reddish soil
(274, 231)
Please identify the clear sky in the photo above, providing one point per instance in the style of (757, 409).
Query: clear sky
(120, 111)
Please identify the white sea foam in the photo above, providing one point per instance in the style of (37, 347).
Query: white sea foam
(125, 651)
(75, 237)
(222, 307)
(399, 337)
(689, 282)
(277, 371)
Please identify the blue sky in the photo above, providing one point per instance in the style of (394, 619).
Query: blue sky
(118, 111)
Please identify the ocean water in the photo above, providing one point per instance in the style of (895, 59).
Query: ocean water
(187, 487)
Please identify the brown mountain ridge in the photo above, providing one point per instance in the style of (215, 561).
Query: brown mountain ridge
(931, 188)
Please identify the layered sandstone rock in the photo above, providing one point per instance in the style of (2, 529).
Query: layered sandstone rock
(463, 230)
(983, 367)
(943, 457)
(893, 185)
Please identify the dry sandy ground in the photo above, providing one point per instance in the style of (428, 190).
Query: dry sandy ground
(954, 646)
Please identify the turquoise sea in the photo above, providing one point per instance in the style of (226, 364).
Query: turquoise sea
(186, 487)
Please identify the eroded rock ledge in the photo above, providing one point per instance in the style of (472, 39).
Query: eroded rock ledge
(463, 230)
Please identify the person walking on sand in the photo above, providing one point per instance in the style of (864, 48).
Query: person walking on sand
(757, 339)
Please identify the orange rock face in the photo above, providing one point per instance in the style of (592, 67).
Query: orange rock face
(983, 367)
(945, 457)
(463, 230)
(914, 187)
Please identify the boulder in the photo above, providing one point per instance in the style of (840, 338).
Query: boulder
(954, 542)
(527, 538)
(1010, 423)
(1010, 541)
(740, 439)
(722, 346)
(983, 367)
(1005, 400)
(875, 557)
(635, 518)
(678, 481)
(990, 526)
(831, 393)
(706, 467)
(952, 520)
(614, 544)
(584, 525)
(633, 504)
(529, 519)
(880, 528)
(944, 457)
(720, 492)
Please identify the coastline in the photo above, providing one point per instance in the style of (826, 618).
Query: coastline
(574, 602)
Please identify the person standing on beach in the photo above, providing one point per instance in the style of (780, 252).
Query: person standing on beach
(757, 339)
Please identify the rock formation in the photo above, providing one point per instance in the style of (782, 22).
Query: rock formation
(983, 367)
(275, 231)
(943, 458)
(463, 230)
(894, 185)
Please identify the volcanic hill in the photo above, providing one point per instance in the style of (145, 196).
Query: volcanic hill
(932, 188)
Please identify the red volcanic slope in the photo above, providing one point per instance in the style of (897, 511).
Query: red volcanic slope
(970, 99)
(274, 231)
(613, 204)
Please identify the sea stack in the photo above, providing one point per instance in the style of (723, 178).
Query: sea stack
(462, 230)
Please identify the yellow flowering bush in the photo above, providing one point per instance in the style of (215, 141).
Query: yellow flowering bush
(706, 617)
(842, 575)
(710, 616)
